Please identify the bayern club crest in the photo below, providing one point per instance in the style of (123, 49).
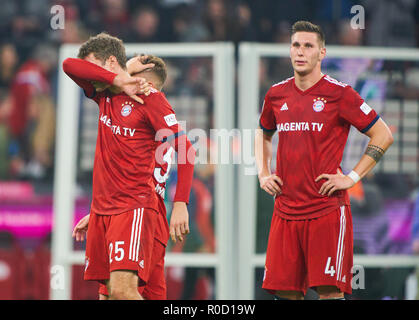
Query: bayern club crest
(318, 104)
(127, 108)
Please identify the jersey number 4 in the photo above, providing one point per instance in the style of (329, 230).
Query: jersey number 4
(329, 268)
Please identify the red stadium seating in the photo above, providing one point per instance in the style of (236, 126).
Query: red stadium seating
(35, 275)
(11, 257)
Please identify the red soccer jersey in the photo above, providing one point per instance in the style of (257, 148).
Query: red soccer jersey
(127, 139)
(125, 150)
(164, 157)
(313, 127)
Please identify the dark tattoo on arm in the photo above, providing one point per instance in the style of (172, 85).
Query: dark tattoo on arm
(374, 152)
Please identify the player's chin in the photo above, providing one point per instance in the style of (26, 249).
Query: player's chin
(302, 70)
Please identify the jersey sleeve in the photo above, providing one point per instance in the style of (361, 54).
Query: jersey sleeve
(162, 118)
(267, 116)
(356, 111)
(83, 72)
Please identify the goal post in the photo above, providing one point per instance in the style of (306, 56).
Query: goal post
(63, 254)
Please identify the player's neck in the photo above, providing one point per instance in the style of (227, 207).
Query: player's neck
(306, 81)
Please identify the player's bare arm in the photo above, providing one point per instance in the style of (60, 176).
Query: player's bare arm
(179, 221)
(374, 152)
(269, 182)
(380, 140)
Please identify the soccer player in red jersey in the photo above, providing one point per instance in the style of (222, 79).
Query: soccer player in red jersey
(310, 241)
(155, 288)
(124, 209)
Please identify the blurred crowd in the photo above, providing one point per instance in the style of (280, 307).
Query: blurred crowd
(29, 48)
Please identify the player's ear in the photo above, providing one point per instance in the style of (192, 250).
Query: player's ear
(322, 53)
(112, 62)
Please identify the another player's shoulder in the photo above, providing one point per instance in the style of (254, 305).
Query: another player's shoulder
(156, 103)
(154, 95)
(156, 98)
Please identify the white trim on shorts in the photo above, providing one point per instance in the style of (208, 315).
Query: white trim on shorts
(134, 245)
(341, 244)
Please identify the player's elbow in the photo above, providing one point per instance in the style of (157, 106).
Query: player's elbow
(388, 139)
(380, 133)
(67, 65)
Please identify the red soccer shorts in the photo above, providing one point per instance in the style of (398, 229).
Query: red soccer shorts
(120, 242)
(155, 288)
(302, 254)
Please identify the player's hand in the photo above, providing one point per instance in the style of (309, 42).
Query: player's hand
(271, 184)
(179, 221)
(145, 88)
(136, 65)
(131, 85)
(334, 182)
(80, 230)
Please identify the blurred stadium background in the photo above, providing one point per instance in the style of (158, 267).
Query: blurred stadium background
(250, 37)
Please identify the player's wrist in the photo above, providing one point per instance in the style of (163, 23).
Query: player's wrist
(120, 79)
(354, 176)
(179, 204)
(263, 174)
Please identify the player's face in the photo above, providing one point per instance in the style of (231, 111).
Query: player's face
(306, 52)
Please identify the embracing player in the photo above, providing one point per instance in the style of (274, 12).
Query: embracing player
(124, 215)
(311, 242)
(153, 70)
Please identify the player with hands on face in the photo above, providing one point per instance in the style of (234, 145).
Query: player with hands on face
(152, 70)
(125, 237)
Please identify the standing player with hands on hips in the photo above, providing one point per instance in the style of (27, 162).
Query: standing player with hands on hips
(124, 214)
(311, 238)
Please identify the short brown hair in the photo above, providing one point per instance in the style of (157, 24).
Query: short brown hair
(159, 68)
(103, 46)
(306, 26)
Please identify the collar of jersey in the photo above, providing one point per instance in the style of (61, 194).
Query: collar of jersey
(309, 89)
